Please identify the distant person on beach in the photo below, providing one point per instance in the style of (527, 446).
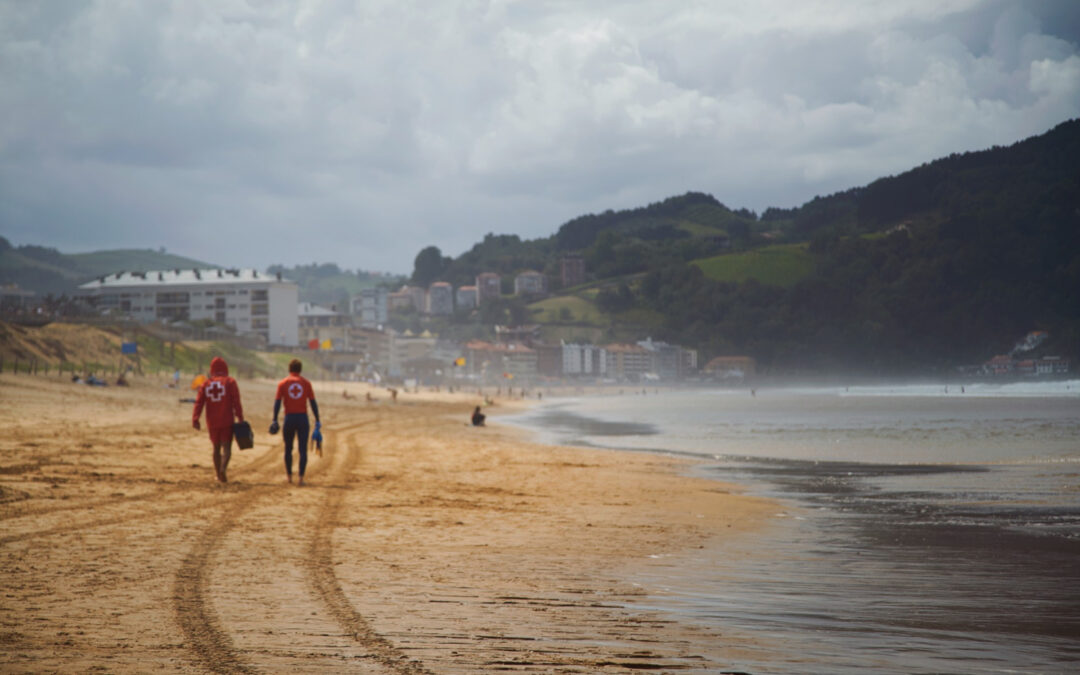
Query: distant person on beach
(478, 417)
(221, 397)
(296, 391)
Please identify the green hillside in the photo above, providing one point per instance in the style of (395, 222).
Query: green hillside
(141, 260)
(46, 270)
(569, 309)
(780, 265)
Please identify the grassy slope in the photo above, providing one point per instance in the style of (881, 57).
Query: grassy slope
(142, 260)
(582, 312)
(780, 265)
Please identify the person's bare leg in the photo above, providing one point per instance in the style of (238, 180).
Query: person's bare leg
(217, 461)
(226, 455)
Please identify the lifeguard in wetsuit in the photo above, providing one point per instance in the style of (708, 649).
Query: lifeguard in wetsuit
(221, 397)
(295, 391)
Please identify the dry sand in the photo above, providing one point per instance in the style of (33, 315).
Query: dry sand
(421, 544)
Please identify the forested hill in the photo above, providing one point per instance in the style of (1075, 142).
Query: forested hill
(945, 264)
(46, 270)
(1001, 179)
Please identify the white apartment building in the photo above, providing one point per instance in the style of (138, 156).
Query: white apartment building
(249, 301)
(583, 359)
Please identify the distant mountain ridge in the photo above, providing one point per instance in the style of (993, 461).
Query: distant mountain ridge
(47, 270)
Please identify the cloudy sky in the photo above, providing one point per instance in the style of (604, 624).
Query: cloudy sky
(248, 133)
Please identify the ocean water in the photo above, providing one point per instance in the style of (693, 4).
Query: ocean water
(922, 528)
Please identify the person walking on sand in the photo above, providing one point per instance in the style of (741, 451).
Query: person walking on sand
(296, 391)
(221, 397)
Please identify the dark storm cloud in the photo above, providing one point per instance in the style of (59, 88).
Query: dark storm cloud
(254, 133)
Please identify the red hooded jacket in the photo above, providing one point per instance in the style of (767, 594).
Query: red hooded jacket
(221, 397)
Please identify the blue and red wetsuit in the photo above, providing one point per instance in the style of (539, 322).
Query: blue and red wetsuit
(294, 392)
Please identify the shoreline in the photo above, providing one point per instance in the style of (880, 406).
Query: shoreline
(421, 544)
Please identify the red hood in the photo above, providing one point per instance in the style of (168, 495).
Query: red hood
(218, 367)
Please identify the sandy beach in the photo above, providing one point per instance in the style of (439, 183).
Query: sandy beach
(420, 544)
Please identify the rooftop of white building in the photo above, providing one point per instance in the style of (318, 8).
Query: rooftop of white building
(182, 277)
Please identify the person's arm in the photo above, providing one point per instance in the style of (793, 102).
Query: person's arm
(315, 409)
(277, 408)
(238, 407)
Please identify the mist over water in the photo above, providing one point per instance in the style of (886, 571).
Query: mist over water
(925, 528)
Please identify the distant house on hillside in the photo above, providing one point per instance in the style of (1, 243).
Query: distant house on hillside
(466, 297)
(440, 299)
(530, 283)
(488, 287)
(572, 270)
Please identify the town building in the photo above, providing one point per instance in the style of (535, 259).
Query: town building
(319, 327)
(409, 347)
(548, 359)
(572, 270)
(372, 346)
(513, 364)
(13, 298)
(530, 283)
(1052, 365)
(466, 297)
(629, 363)
(731, 367)
(671, 362)
(372, 307)
(526, 334)
(247, 301)
(440, 299)
(488, 287)
(583, 360)
(400, 299)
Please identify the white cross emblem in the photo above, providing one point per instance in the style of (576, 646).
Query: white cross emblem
(215, 391)
(296, 390)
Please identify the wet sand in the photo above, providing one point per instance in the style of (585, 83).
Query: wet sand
(420, 544)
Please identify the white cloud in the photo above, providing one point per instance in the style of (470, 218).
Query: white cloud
(251, 133)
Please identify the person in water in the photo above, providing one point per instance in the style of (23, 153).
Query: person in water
(220, 395)
(295, 391)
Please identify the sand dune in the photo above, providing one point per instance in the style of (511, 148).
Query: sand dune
(420, 545)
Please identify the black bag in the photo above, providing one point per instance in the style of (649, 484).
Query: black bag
(245, 437)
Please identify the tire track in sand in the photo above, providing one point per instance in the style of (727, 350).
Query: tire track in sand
(205, 638)
(320, 565)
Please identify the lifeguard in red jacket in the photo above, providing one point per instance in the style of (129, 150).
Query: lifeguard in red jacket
(294, 392)
(221, 397)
